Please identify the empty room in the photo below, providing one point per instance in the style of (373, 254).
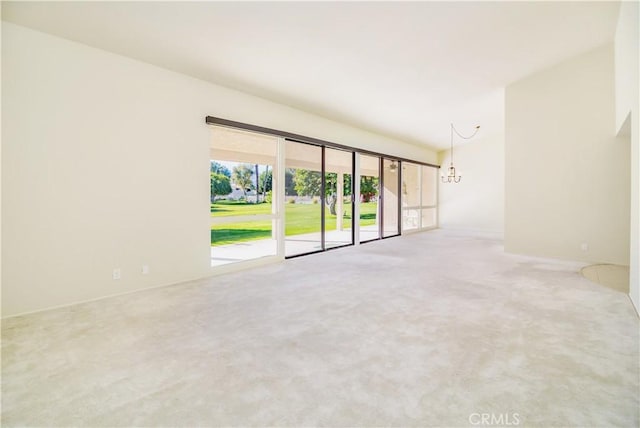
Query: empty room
(343, 214)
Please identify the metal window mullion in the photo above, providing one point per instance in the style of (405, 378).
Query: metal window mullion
(322, 200)
(353, 198)
(420, 198)
(278, 192)
(399, 197)
(356, 199)
(381, 197)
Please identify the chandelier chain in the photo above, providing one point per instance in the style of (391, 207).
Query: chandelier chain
(451, 176)
(462, 136)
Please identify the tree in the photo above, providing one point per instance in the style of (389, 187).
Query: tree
(220, 185)
(289, 184)
(331, 189)
(218, 168)
(266, 180)
(241, 176)
(368, 187)
(347, 184)
(257, 183)
(307, 183)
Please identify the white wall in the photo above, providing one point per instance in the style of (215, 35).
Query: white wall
(1, 223)
(567, 176)
(476, 203)
(627, 76)
(105, 164)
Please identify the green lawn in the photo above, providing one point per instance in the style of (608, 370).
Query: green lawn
(299, 219)
(229, 208)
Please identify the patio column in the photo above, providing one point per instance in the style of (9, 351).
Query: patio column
(339, 202)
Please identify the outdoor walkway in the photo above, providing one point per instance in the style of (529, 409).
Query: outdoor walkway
(296, 244)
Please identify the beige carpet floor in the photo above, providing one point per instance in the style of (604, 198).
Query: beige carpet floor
(431, 329)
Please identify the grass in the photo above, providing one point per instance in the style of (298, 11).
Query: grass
(299, 219)
(229, 208)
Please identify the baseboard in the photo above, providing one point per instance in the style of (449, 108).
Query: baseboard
(480, 233)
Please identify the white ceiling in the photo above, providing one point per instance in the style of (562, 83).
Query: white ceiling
(402, 69)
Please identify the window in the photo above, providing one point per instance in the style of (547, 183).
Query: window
(390, 197)
(242, 204)
(410, 196)
(276, 194)
(429, 196)
(318, 203)
(304, 199)
(339, 205)
(368, 223)
(419, 196)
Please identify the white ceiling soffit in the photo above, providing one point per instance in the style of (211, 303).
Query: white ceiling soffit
(402, 69)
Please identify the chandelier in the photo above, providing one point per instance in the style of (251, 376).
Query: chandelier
(451, 171)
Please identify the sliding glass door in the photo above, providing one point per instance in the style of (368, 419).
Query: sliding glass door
(303, 199)
(390, 198)
(369, 221)
(339, 198)
(274, 195)
(419, 197)
(318, 198)
(243, 212)
(410, 196)
(429, 197)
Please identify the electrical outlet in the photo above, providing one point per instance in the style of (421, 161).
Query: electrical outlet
(584, 247)
(117, 274)
(145, 269)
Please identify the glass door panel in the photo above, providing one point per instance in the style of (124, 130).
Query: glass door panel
(338, 189)
(410, 196)
(242, 210)
(429, 186)
(429, 197)
(428, 217)
(303, 200)
(368, 223)
(390, 197)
